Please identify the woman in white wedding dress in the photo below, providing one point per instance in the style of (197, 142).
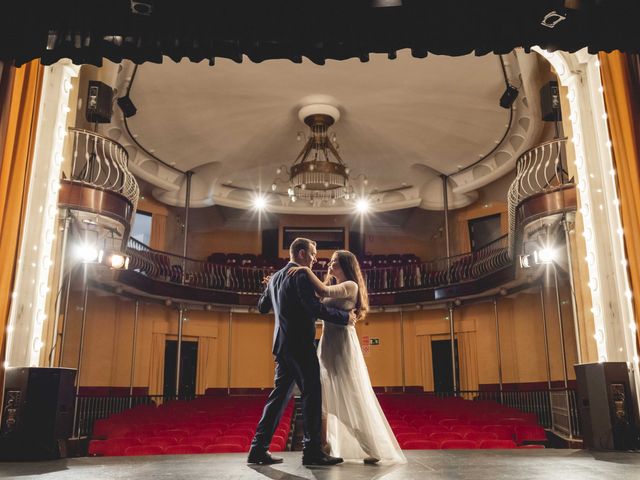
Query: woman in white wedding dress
(356, 428)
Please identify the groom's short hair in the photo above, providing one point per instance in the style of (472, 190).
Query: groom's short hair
(298, 244)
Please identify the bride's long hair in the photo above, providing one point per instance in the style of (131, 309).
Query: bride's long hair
(351, 269)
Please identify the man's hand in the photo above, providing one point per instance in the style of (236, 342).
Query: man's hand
(265, 280)
(353, 318)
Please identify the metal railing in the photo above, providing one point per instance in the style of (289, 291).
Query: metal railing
(168, 267)
(101, 163)
(539, 169)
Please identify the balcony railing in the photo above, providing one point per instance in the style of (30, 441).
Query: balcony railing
(412, 275)
(541, 169)
(101, 163)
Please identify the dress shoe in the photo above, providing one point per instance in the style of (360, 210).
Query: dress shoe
(260, 457)
(371, 460)
(321, 459)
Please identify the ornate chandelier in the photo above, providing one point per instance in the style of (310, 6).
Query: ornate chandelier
(318, 173)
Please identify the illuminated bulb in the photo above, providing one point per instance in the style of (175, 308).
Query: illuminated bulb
(620, 231)
(259, 202)
(293, 198)
(616, 202)
(362, 206)
(601, 89)
(326, 184)
(624, 262)
(303, 186)
(346, 170)
(312, 167)
(628, 294)
(117, 261)
(274, 187)
(597, 63)
(87, 253)
(612, 172)
(608, 144)
(278, 170)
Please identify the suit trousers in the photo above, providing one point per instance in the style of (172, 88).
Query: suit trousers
(301, 367)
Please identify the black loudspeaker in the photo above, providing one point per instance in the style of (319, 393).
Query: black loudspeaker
(99, 102)
(270, 243)
(550, 102)
(37, 412)
(607, 408)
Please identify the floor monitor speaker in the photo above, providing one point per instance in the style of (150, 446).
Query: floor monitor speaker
(37, 412)
(608, 410)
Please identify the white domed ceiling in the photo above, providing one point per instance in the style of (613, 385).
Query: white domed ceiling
(403, 123)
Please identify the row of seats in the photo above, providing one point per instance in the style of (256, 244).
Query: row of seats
(204, 425)
(382, 273)
(419, 418)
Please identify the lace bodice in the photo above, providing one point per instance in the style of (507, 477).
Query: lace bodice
(342, 296)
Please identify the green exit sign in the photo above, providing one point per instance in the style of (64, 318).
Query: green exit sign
(374, 341)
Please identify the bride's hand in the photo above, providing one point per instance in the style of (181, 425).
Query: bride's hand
(294, 270)
(353, 318)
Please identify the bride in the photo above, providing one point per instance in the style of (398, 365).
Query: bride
(355, 426)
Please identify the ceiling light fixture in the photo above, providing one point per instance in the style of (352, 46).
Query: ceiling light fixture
(318, 173)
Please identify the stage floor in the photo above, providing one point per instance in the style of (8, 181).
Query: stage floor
(427, 464)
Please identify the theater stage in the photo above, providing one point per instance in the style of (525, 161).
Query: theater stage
(427, 464)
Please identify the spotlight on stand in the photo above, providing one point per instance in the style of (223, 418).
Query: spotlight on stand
(127, 106)
(117, 261)
(88, 253)
(509, 96)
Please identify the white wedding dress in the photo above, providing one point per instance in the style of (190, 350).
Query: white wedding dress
(356, 425)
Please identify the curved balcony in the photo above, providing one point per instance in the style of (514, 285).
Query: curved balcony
(404, 281)
(541, 188)
(100, 182)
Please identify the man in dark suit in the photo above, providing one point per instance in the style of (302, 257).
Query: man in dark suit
(296, 309)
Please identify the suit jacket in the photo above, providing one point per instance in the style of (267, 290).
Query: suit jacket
(296, 309)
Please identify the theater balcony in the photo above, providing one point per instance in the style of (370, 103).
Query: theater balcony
(541, 202)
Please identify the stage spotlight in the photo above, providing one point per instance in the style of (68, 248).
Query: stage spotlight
(362, 205)
(118, 261)
(545, 255)
(509, 96)
(259, 202)
(88, 253)
(127, 106)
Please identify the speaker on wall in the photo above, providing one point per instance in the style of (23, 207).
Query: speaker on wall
(99, 102)
(550, 102)
(607, 408)
(37, 412)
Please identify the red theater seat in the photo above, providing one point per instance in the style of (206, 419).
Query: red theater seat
(143, 450)
(444, 436)
(480, 436)
(503, 432)
(117, 446)
(224, 448)
(183, 449)
(530, 433)
(491, 444)
(421, 445)
(458, 445)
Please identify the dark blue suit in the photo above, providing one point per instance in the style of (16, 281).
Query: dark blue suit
(296, 309)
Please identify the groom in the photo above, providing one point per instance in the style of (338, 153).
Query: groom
(296, 308)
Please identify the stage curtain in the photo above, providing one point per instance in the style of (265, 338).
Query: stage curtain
(20, 90)
(206, 367)
(621, 93)
(156, 370)
(468, 360)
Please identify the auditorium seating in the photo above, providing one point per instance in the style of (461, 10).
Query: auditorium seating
(209, 424)
(422, 421)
